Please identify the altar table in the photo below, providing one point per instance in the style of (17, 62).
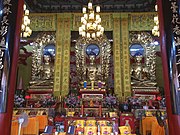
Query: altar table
(32, 128)
(116, 120)
(35, 124)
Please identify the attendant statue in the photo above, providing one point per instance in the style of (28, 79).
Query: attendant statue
(47, 68)
(140, 73)
(137, 69)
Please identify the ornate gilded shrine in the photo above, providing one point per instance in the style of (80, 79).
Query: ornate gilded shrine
(92, 59)
(93, 65)
(43, 57)
(119, 23)
(143, 63)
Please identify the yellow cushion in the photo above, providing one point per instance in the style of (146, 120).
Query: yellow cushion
(106, 130)
(62, 133)
(102, 122)
(112, 114)
(71, 114)
(80, 123)
(148, 113)
(125, 130)
(90, 130)
(90, 122)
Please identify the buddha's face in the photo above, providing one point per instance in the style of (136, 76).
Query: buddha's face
(138, 58)
(47, 58)
(92, 58)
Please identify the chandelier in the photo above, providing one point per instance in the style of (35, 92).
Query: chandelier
(155, 30)
(25, 29)
(91, 22)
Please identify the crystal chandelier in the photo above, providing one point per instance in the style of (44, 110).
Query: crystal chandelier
(25, 29)
(91, 22)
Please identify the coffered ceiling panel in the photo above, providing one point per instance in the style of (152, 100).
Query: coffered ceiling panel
(60, 6)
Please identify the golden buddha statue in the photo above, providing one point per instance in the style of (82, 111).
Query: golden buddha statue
(140, 73)
(137, 69)
(46, 73)
(47, 68)
(93, 75)
(91, 69)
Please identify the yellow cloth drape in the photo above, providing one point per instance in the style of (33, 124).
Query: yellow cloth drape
(150, 124)
(147, 124)
(156, 129)
(14, 128)
(43, 121)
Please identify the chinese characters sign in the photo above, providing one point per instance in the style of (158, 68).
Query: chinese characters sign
(8, 13)
(6, 8)
(176, 37)
(172, 28)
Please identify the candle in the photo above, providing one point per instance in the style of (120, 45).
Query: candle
(90, 5)
(99, 84)
(92, 85)
(84, 10)
(82, 110)
(100, 110)
(98, 9)
(85, 84)
(60, 98)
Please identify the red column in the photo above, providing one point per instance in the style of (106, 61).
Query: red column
(170, 67)
(10, 47)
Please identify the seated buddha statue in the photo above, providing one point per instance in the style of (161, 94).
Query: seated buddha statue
(92, 75)
(91, 70)
(140, 73)
(47, 73)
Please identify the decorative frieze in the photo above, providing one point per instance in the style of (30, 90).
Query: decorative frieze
(43, 22)
(105, 17)
(141, 21)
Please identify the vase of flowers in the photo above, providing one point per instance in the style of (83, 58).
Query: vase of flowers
(19, 101)
(72, 101)
(48, 101)
(110, 101)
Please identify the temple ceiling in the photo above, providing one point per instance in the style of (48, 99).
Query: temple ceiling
(60, 6)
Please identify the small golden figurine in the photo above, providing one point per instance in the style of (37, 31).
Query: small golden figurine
(91, 103)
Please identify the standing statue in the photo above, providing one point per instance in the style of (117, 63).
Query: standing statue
(137, 70)
(47, 68)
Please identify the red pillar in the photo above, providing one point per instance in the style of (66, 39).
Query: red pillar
(10, 25)
(169, 59)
